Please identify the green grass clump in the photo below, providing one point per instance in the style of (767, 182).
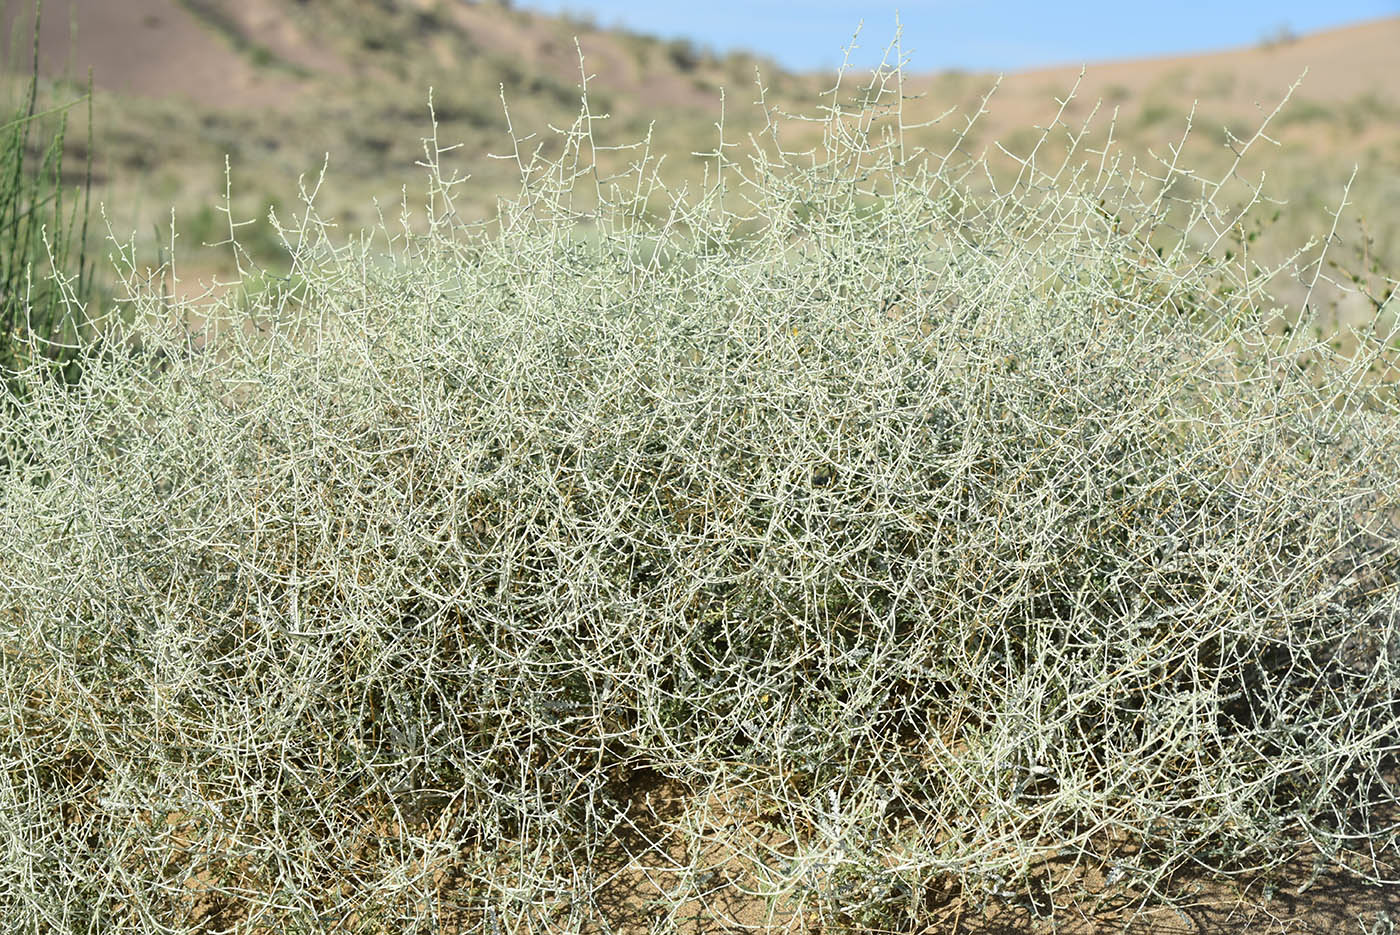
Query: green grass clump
(841, 541)
(45, 274)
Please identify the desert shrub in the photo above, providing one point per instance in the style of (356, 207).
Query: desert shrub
(684, 54)
(779, 549)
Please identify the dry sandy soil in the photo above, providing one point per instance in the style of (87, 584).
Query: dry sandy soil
(1342, 66)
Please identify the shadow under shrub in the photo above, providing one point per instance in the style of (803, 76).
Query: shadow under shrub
(940, 548)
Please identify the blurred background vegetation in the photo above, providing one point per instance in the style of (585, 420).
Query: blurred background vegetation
(279, 89)
(46, 275)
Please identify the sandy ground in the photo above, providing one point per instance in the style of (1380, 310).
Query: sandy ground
(1341, 65)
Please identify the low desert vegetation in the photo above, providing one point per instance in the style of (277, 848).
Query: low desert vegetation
(843, 548)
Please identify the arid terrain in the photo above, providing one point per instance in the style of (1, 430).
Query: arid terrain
(284, 88)
(272, 91)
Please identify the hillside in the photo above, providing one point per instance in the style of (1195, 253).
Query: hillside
(278, 85)
(1351, 87)
(257, 54)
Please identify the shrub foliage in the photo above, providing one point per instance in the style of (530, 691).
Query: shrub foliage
(837, 538)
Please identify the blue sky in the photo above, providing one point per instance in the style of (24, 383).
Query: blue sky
(969, 34)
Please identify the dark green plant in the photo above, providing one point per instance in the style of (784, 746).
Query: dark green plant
(37, 235)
